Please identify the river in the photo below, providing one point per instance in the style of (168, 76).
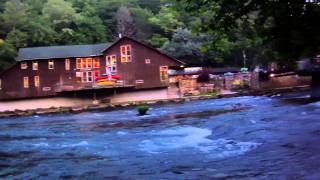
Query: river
(234, 138)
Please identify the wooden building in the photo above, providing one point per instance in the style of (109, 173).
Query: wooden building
(72, 70)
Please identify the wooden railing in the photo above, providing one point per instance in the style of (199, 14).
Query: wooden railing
(88, 86)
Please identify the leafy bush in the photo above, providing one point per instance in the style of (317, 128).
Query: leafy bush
(143, 109)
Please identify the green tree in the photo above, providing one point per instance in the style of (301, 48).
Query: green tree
(17, 38)
(144, 29)
(14, 15)
(7, 55)
(167, 19)
(60, 13)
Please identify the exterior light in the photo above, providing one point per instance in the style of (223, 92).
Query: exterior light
(272, 75)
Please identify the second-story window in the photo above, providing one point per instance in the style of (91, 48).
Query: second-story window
(51, 64)
(88, 63)
(67, 64)
(24, 65)
(35, 65)
(125, 52)
(78, 63)
(96, 62)
(83, 63)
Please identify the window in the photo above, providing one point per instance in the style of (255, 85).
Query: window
(83, 63)
(26, 82)
(84, 77)
(148, 61)
(0, 84)
(51, 64)
(67, 64)
(78, 63)
(87, 77)
(125, 52)
(89, 63)
(37, 81)
(96, 62)
(111, 62)
(35, 66)
(24, 65)
(164, 73)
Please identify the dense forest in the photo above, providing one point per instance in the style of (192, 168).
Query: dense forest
(199, 32)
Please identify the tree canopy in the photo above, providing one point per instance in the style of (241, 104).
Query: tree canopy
(200, 32)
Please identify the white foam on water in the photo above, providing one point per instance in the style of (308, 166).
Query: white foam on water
(82, 143)
(304, 97)
(121, 133)
(304, 113)
(41, 144)
(253, 121)
(189, 137)
(316, 104)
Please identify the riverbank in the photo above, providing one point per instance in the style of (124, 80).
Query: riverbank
(74, 108)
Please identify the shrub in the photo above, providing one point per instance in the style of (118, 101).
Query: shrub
(143, 109)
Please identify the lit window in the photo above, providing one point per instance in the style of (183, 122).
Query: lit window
(96, 62)
(67, 64)
(37, 81)
(26, 82)
(148, 61)
(51, 64)
(164, 73)
(24, 65)
(0, 84)
(83, 63)
(35, 65)
(89, 63)
(125, 53)
(78, 63)
(111, 62)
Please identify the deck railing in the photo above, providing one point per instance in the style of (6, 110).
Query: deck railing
(88, 86)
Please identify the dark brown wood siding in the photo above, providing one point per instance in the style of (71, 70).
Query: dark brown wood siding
(137, 69)
(52, 79)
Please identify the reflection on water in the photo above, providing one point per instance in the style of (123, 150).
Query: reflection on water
(243, 137)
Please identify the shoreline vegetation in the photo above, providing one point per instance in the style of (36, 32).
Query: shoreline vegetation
(114, 106)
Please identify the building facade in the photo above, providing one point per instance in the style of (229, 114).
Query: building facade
(55, 70)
